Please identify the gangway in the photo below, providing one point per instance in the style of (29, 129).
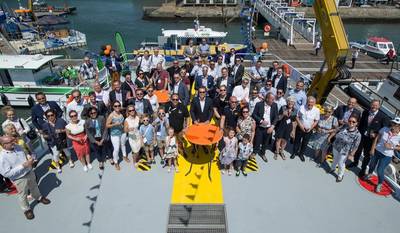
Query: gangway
(293, 26)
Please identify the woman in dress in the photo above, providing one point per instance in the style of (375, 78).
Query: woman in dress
(345, 145)
(55, 134)
(171, 150)
(131, 127)
(141, 81)
(20, 124)
(326, 126)
(287, 115)
(229, 152)
(115, 124)
(382, 151)
(246, 125)
(76, 132)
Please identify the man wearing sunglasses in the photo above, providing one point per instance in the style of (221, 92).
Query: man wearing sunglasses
(178, 117)
(76, 104)
(93, 103)
(119, 94)
(180, 89)
(142, 105)
(37, 111)
(279, 81)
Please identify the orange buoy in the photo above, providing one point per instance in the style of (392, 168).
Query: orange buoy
(264, 45)
(267, 28)
(106, 52)
(286, 69)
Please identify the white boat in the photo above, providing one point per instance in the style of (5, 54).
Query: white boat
(172, 42)
(376, 47)
(21, 76)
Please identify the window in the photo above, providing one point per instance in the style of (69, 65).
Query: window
(397, 94)
(382, 46)
(390, 46)
(371, 43)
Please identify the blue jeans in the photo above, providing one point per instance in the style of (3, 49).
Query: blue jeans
(382, 161)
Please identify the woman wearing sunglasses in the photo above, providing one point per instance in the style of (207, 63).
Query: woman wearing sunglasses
(54, 133)
(76, 132)
(345, 145)
(115, 123)
(95, 127)
(131, 127)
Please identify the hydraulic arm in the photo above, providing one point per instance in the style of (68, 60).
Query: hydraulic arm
(335, 47)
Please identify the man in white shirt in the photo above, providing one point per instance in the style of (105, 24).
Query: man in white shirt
(220, 64)
(241, 92)
(17, 166)
(258, 75)
(144, 63)
(101, 95)
(76, 104)
(157, 58)
(307, 118)
(253, 100)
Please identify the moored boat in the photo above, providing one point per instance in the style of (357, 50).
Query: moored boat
(374, 46)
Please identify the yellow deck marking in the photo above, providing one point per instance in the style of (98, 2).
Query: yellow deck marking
(252, 165)
(143, 166)
(199, 186)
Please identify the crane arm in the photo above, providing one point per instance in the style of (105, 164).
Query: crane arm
(335, 47)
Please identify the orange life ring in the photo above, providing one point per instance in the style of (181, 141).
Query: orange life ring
(267, 28)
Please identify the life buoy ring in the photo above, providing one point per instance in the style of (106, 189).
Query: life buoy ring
(267, 28)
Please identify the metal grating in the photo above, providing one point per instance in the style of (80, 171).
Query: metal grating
(197, 219)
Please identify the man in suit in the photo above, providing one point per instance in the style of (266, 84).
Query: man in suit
(142, 105)
(37, 111)
(223, 56)
(190, 51)
(371, 122)
(201, 111)
(129, 85)
(205, 80)
(343, 112)
(92, 103)
(181, 89)
(266, 116)
(273, 70)
(238, 70)
(174, 69)
(113, 64)
(279, 81)
(97, 133)
(227, 81)
(119, 94)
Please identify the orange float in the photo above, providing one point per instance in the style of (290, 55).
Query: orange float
(107, 52)
(286, 69)
(203, 134)
(264, 45)
(162, 96)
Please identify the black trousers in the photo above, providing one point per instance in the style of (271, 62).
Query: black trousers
(365, 146)
(100, 152)
(301, 140)
(353, 62)
(240, 164)
(4, 182)
(261, 141)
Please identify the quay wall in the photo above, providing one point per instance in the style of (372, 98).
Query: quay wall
(384, 14)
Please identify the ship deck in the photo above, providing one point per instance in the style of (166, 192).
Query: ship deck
(282, 196)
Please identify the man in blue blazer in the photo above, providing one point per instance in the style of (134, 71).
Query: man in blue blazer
(180, 88)
(226, 80)
(38, 118)
(205, 80)
(279, 81)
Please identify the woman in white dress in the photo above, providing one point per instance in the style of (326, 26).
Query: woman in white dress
(131, 127)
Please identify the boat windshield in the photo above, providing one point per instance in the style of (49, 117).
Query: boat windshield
(382, 46)
(390, 46)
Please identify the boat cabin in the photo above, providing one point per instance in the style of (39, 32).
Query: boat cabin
(26, 70)
(379, 45)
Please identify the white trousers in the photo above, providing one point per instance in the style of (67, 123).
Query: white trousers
(56, 153)
(340, 160)
(118, 143)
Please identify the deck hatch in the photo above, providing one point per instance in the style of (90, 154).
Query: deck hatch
(200, 218)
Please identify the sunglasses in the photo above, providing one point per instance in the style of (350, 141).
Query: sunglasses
(233, 102)
(255, 93)
(145, 120)
(352, 121)
(202, 92)
(93, 113)
(78, 96)
(50, 115)
(38, 99)
(150, 90)
(268, 84)
(131, 110)
(245, 111)
(117, 106)
(222, 90)
(161, 113)
(139, 94)
(73, 115)
(175, 99)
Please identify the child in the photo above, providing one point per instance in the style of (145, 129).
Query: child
(229, 153)
(245, 150)
(171, 150)
(147, 138)
(160, 126)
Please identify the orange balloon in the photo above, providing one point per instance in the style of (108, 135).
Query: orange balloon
(107, 52)
(108, 47)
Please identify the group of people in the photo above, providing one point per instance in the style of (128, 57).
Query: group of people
(256, 111)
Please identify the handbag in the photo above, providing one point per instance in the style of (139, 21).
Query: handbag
(31, 134)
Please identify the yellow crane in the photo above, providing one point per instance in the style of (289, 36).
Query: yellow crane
(335, 47)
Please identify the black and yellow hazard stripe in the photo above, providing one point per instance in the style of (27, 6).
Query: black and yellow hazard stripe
(329, 158)
(251, 165)
(62, 160)
(143, 166)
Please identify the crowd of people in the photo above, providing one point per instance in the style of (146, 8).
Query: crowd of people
(256, 110)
